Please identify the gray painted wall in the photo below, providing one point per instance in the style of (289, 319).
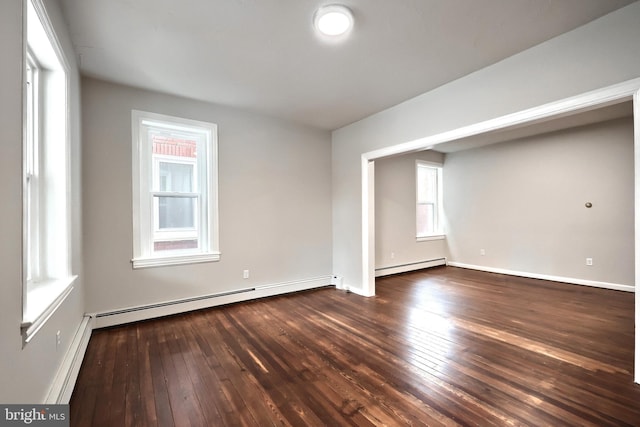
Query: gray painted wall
(27, 373)
(274, 195)
(523, 202)
(395, 215)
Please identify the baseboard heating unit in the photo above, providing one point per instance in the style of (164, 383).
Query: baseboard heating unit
(412, 266)
(165, 308)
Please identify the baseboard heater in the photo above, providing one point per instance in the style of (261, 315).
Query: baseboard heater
(175, 302)
(402, 268)
(167, 308)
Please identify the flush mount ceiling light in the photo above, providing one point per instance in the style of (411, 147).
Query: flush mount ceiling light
(333, 21)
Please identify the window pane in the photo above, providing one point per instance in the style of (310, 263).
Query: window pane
(170, 146)
(174, 164)
(176, 177)
(426, 219)
(427, 184)
(176, 212)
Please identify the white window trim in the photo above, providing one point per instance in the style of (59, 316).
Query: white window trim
(50, 283)
(143, 256)
(31, 191)
(175, 260)
(440, 233)
(431, 237)
(44, 299)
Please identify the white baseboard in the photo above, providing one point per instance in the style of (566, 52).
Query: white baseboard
(355, 290)
(166, 308)
(570, 280)
(403, 268)
(338, 282)
(65, 379)
(386, 271)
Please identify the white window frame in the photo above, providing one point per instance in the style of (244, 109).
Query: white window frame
(46, 256)
(439, 232)
(144, 215)
(31, 172)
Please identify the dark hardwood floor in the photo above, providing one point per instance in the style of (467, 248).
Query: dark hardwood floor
(437, 347)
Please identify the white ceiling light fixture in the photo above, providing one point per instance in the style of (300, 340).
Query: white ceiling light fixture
(333, 21)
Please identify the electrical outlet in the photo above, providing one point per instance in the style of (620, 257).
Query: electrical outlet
(393, 255)
(589, 261)
(58, 339)
(482, 252)
(245, 274)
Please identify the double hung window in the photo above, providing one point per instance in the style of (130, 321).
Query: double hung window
(429, 217)
(175, 190)
(47, 278)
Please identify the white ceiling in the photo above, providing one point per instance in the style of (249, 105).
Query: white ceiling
(263, 56)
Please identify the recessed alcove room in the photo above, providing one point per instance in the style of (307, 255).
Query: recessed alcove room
(543, 169)
(317, 213)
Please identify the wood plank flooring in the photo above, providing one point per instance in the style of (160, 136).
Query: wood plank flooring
(438, 347)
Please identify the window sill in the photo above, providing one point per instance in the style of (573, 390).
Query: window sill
(148, 262)
(429, 238)
(43, 299)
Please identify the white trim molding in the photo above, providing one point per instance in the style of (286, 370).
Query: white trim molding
(412, 266)
(561, 279)
(636, 145)
(42, 303)
(175, 260)
(65, 379)
(580, 103)
(354, 290)
(429, 238)
(166, 308)
(368, 229)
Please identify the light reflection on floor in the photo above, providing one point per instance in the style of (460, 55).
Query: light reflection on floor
(429, 335)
